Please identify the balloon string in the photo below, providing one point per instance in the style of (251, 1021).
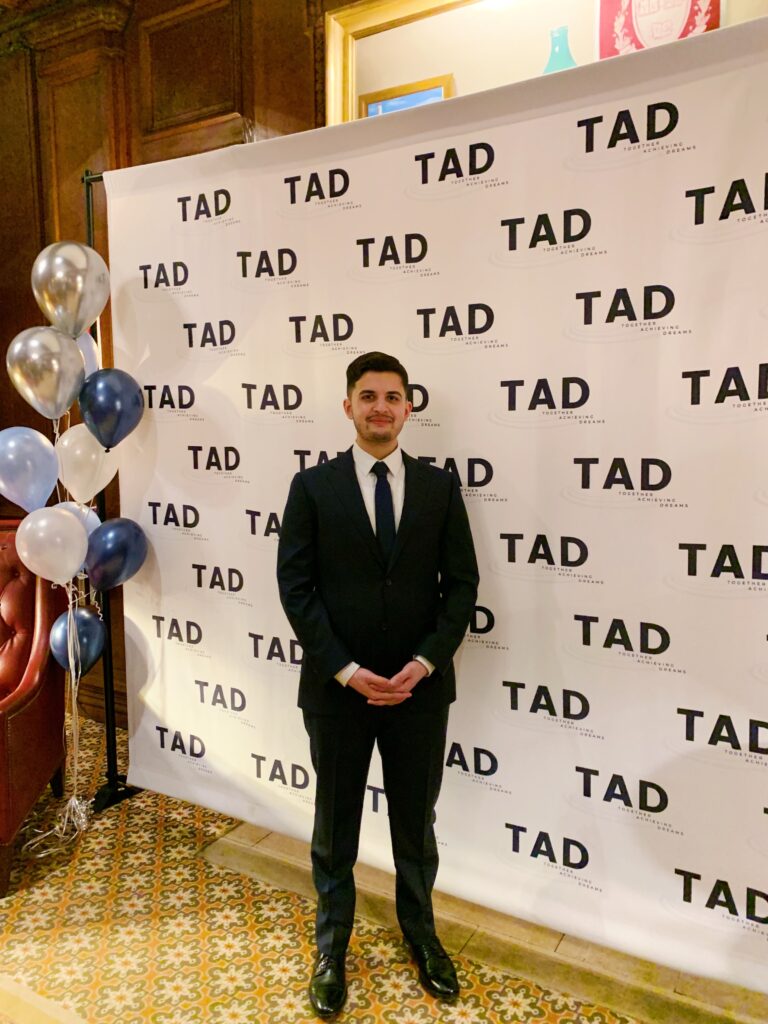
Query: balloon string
(74, 818)
(73, 656)
(56, 436)
(57, 432)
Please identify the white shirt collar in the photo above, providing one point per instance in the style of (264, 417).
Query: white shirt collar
(364, 460)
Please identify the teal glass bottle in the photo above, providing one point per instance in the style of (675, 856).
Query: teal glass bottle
(560, 56)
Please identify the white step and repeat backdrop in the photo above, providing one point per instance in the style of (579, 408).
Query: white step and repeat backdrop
(574, 271)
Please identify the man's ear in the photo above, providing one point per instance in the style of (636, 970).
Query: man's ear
(348, 408)
(408, 410)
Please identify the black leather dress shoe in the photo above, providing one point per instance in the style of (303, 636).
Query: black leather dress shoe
(436, 971)
(328, 985)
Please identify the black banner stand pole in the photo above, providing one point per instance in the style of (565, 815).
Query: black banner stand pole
(115, 789)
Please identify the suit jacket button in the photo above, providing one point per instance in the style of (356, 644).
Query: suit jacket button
(383, 627)
(388, 583)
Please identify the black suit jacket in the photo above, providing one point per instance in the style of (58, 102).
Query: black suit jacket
(346, 604)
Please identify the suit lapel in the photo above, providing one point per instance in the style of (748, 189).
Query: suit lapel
(417, 485)
(344, 483)
(347, 490)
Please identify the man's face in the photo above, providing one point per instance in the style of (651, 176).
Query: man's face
(378, 407)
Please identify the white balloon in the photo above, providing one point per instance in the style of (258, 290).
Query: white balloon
(84, 467)
(52, 543)
(89, 350)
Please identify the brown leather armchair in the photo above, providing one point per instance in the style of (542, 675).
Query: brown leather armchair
(32, 749)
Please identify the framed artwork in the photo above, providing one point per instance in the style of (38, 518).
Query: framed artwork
(627, 25)
(402, 97)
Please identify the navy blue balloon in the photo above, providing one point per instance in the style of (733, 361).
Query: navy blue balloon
(116, 551)
(90, 636)
(112, 403)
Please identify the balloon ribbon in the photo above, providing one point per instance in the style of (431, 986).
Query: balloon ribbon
(75, 817)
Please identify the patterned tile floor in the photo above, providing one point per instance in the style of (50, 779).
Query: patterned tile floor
(131, 925)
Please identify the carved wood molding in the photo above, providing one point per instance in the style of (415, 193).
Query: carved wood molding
(40, 27)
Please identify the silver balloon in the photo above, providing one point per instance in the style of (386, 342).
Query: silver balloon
(71, 285)
(47, 369)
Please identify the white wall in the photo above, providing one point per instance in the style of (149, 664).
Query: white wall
(492, 43)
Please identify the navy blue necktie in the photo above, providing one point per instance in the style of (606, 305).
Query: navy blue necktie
(385, 511)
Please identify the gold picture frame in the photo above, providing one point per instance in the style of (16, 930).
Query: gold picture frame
(343, 27)
(445, 83)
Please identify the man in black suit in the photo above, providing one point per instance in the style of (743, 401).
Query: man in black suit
(378, 578)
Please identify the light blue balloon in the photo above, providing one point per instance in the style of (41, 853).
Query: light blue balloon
(90, 353)
(29, 467)
(86, 515)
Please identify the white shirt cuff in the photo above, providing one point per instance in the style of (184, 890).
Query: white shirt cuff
(346, 673)
(427, 664)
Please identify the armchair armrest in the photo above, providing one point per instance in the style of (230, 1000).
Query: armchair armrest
(49, 604)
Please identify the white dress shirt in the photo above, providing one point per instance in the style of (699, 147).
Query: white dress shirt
(364, 463)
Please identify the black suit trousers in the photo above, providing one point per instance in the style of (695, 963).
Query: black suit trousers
(412, 749)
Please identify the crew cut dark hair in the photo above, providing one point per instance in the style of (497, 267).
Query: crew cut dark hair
(378, 362)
